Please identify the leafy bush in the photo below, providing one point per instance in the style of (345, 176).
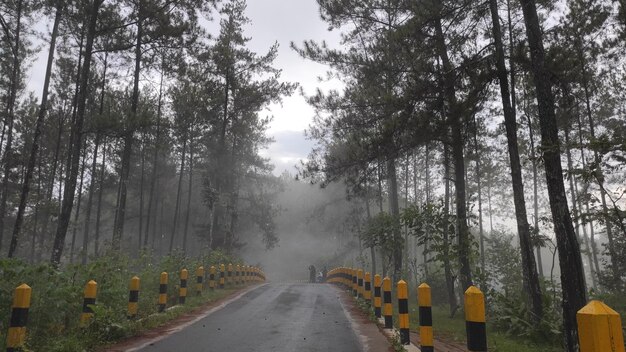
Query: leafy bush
(57, 296)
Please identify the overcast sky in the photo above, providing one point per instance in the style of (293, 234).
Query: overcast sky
(281, 21)
(289, 21)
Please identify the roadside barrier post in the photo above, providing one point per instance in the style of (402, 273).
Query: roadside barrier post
(199, 279)
(163, 291)
(222, 278)
(19, 317)
(599, 328)
(424, 301)
(133, 297)
(403, 311)
(237, 275)
(377, 295)
(387, 307)
(368, 287)
(229, 278)
(359, 279)
(475, 322)
(182, 292)
(354, 283)
(244, 274)
(91, 290)
(212, 277)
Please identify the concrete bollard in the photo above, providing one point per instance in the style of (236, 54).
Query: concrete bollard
(222, 276)
(367, 293)
(19, 317)
(359, 282)
(91, 290)
(212, 272)
(387, 306)
(475, 322)
(199, 280)
(163, 291)
(377, 295)
(182, 291)
(424, 301)
(354, 283)
(229, 277)
(403, 311)
(133, 298)
(238, 275)
(599, 328)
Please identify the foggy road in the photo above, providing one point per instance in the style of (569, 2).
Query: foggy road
(274, 317)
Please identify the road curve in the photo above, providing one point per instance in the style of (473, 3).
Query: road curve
(271, 318)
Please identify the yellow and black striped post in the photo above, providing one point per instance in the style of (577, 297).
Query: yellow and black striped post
(367, 294)
(133, 297)
(424, 301)
(246, 274)
(212, 272)
(475, 322)
(199, 280)
(403, 311)
(387, 306)
(599, 328)
(163, 291)
(222, 276)
(19, 317)
(238, 274)
(377, 295)
(91, 290)
(229, 278)
(359, 282)
(354, 283)
(182, 291)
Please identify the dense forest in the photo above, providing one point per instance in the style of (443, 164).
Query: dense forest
(466, 143)
(485, 144)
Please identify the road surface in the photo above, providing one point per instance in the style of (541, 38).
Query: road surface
(271, 318)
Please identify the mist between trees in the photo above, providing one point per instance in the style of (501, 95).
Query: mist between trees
(472, 143)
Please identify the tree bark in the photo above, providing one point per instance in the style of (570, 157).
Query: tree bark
(76, 140)
(120, 216)
(77, 211)
(178, 192)
(572, 274)
(189, 194)
(447, 266)
(32, 159)
(99, 208)
(10, 118)
(458, 157)
(155, 165)
(394, 209)
(529, 268)
(481, 232)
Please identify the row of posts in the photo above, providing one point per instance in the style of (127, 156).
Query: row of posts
(229, 276)
(599, 326)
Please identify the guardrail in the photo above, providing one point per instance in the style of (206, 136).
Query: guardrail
(16, 336)
(599, 326)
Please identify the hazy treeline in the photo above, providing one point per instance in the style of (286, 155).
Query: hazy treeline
(145, 134)
(463, 123)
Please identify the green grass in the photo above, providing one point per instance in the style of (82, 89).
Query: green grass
(453, 330)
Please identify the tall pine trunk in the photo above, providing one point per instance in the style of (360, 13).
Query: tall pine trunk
(10, 118)
(178, 194)
(76, 139)
(456, 123)
(394, 209)
(529, 268)
(447, 266)
(572, 273)
(189, 194)
(78, 204)
(41, 115)
(120, 215)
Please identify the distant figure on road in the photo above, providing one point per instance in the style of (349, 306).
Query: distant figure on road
(312, 272)
(324, 273)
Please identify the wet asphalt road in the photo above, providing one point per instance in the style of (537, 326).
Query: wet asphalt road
(271, 318)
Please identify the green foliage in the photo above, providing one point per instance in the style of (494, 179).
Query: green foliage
(57, 297)
(380, 232)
